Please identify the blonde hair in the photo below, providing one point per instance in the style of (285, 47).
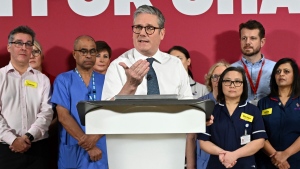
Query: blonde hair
(211, 70)
(39, 47)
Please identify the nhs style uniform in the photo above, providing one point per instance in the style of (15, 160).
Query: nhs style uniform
(282, 127)
(262, 79)
(69, 89)
(202, 156)
(227, 132)
(171, 76)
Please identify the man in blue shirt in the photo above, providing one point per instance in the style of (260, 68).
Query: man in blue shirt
(258, 69)
(77, 149)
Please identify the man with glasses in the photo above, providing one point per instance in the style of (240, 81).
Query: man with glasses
(129, 74)
(258, 69)
(77, 149)
(145, 70)
(25, 109)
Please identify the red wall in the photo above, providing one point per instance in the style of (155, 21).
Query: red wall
(209, 36)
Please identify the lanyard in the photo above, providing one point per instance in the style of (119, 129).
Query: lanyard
(94, 86)
(254, 88)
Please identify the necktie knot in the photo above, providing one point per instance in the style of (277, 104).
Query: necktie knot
(150, 60)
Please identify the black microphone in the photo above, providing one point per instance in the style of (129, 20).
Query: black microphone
(149, 77)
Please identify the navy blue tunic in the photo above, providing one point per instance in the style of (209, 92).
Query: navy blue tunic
(282, 126)
(226, 132)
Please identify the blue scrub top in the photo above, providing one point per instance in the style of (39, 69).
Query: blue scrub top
(68, 90)
(226, 132)
(282, 126)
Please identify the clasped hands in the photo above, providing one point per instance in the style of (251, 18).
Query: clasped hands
(20, 144)
(227, 158)
(279, 159)
(88, 142)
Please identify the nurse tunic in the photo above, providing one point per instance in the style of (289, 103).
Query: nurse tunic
(226, 132)
(282, 127)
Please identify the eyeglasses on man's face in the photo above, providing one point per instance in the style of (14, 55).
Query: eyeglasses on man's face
(236, 83)
(85, 52)
(36, 52)
(19, 44)
(137, 29)
(215, 77)
(285, 71)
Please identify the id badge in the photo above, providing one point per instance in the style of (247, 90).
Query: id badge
(245, 139)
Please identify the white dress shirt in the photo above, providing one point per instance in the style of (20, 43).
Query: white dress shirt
(171, 75)
(24, 104)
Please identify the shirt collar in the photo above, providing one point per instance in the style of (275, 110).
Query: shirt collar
(240, 104)
(258, 62)
(157, 57)
(11, 68)
(276, 98)
(192, 81)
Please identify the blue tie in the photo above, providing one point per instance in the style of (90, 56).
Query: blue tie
(152, 84)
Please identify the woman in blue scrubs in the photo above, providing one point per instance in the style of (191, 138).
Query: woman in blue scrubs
(281, 114)
(238, 131)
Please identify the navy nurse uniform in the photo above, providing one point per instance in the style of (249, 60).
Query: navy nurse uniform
(282, 126)
(226, 132)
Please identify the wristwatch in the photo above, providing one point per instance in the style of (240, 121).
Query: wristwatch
(30, 137)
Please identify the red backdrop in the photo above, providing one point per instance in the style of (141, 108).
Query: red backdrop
(209, 36)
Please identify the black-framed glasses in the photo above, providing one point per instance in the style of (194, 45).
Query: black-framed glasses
(137, 29)
(19, 44)
(215, 77)
(85, 52)
(236, 83)
(36, 52)
(285, 71)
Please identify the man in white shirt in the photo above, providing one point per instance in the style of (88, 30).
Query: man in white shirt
(25, 109)
(127, 74)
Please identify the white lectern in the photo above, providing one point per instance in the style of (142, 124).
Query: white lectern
(145, 134)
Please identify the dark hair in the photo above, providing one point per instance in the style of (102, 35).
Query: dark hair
(186, 54)
(21, 29)
(244, 96)
(295, 85)
(102, 46)
(253, 24)
(153, 11)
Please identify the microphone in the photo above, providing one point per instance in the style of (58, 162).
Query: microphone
(149, 77)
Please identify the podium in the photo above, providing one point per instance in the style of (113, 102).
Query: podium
(145, 134)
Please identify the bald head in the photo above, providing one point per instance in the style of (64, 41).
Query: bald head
(85, 52)
(80, 38)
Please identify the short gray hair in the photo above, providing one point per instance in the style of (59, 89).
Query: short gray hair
(151, 10)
